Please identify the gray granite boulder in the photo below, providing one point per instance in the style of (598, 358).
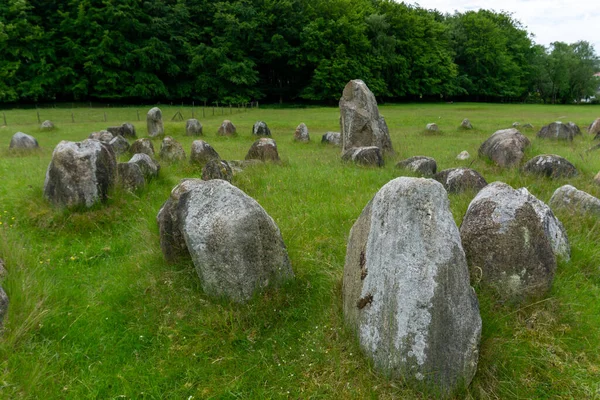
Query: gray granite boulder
(125, 130)
(154, 122)
(432, 127)
(426, 166)
(463, 155)
(386, 146)
(594, 128)
(143, 145)
(260, 128)
(227, 128)
(264, 149)
(103, 136)
(193, 127)
(47, 125)
(171, 150)
(466, 124)
(574, 127)
(406, 291)
(556, 130)
(359, 119)
(368, 156)
(120, 145)
(551, 166)
(506, 147)
(457, 180)
(301, 133)
(3, 272)
(334, 138)
(130, 176)
(234, 244)
(202, 153)
(23, 141)
(217, 169)
(80, 173)
(574, 201)
(3, 306)
(507, 247)
(148, 166)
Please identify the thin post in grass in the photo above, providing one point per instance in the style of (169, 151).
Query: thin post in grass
(38, 115)
(104, 117)
(229, 109)
(4, 116)
(192, 109)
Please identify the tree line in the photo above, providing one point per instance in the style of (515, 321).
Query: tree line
(277, 50)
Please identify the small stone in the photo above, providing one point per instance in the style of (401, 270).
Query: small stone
(425, 166)
(130, 176)
(432, 127)
(47, 125)
(260, 128)
(227, 128)
(103, 136)
(334, 138)
(574, 127)
(171, 150)
(154, 122)
(144, 146)
(23, 141)
(125, 130)
(120, 145)
(264, 149)
(516, 124)
(193, 127)
(301, 133)
(217, 169)
(148, 166)
(457, 180)
(527, 126)
(466, 124)
(463, 155)
(202, 153)
(367, 156)
(551, 166)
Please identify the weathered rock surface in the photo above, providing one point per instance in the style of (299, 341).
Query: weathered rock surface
(456, 180)
(47, 125)
(301, 133)
(334, 138)
(575, 201)
(23, 141)
(125, 130)
(594, 128)
(154, 122)
(143, 145)
(360, 122)
(406, 288)
(148, 166)
(120, 145)
(516, 124)
(505, 147)
(260, 128)
(80, 173)
(264, 149)
(506, 243)
(463, 155)
(466, 124)
(103, 136)
(130, 176)
(426, 166)
(574, 127)
(3, 306)
(193, 127)
(202, 153)
(235, 245)
(3, 272)
(551, 166)
(556, 130)
(227, 128)
(240, 165)
(432, 127)
(385, 135)
(217, 169)
(171, 150)
(368, 156)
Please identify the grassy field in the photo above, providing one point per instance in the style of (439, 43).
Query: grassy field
(96, 312)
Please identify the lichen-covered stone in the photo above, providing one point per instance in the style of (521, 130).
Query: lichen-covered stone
(432, 127)
(202, 153)
(149, 167)
(301, 133)
(217, 169)
(506, 243)
(334, 138)
(143, 145)
(227, 128)
(426, 166)
(125, 130)
(594, 128)
(264, 149)
(406, 289)
(505, 147)
(463, 155)
(574, 127)
(171, 150)
(103, 136)
(456, 180)
(570, 199)
(130, 176)
(120, 145)
(260, 128)
(80, 173)
(154, 122)
(193, 127)
(556, 130)
(368, 156)
(466, 124)
(23, 141)
(3, 306)
(551, 166)
(47, 125)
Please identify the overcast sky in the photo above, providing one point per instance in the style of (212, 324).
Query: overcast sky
(549, 20)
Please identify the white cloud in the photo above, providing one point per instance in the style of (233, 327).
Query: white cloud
(548, 20)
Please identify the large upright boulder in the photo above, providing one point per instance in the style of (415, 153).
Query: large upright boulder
(148, 166)
(80, 173)
(551, 166)
(143, 145)
(202, 153)
(556, 130)
(359, 119)
(264, 149)
(120, 145)
(506, 243)
(594, 128)
(505, 147)
(227, 128)
(171, 150)
(406, 289)
(301, 133)
(23, 141)
(574, 201)
(130, 176)
(235, 245)
(155, 123)
(260, 128)
(217, 169)
(193, 127)
(458, 180)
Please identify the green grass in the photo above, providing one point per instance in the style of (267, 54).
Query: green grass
(96, 312)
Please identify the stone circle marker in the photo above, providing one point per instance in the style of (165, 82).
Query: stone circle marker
(23, 141)
(202, 153)
(506, 147)
(551, 166)
(260, 128)
(193, 127)
(264, 149)
(227, 128)
(155, 123)
(301, 133)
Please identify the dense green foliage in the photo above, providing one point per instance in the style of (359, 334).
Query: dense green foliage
(235, 51)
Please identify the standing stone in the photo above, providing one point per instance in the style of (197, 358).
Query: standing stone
(264, 149)
(103, 136)
(80, 173)
(227, 128)
(386, 141)
(23, 141)
(594, 127)
(432, 127)
(463, 155)
(575, 201)
(359, 119)
(193, 127)
(406, 289)
(148, 166)
(505, 147)
(551, 166)
(3, 272)
(466, 124)
(426, 166)
(171, 150)
(155, 123)
(301, 133)
(368, 156)
(125, 130)
(260, 128)
(144, 146)
(235, 245)
(556, 130)
(130, 176)
(202, 153)
(120, 145)
(217, 169)
(47, 125)
(574, 127)
(3, 306)
(458, 180)
(334, 138)
(506, 245)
